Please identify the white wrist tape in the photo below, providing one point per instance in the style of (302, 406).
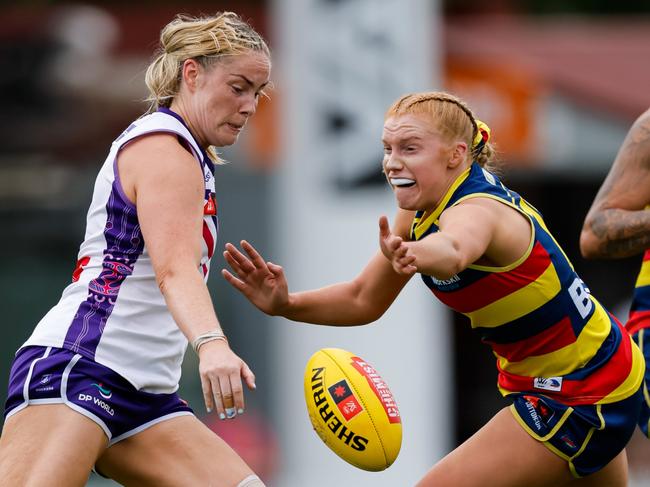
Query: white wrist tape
(251, 481)
(207, 337)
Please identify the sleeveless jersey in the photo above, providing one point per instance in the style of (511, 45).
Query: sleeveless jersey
(640, 308)
(548, 333)
(113, 312)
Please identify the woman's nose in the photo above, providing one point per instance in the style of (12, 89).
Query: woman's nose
(249, 106)
(392, 162)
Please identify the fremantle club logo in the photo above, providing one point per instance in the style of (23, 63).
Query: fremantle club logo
(105, 393)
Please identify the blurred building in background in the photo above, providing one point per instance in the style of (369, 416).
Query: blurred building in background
(559, 82)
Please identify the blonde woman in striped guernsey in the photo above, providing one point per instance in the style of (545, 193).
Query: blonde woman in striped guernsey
(572, 373)
(95, 384)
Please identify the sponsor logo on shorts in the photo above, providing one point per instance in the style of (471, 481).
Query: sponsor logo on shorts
(568, 441)
(548, 383)
(105, 393)
(539, 411)
(44, 384)
(97, 402)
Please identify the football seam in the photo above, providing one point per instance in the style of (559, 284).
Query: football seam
(372, 420)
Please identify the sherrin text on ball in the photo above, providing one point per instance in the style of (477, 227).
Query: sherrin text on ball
(352, 409)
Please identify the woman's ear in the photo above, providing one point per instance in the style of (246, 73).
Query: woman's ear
(190, 72)
(458, 155)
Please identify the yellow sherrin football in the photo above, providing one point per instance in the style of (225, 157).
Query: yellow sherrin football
(352, 409)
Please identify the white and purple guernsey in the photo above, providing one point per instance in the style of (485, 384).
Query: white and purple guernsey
(114, 312)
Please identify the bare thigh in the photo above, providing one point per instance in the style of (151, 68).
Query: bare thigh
(500, 454)
(178, 451)
(613, 475)
(49, 444)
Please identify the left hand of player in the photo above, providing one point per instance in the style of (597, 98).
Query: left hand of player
(396, 250)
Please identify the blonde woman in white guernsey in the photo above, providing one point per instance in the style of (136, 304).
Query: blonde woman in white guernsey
(95, 384)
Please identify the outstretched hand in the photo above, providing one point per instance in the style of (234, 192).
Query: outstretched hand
(396, 250)
(263, 283)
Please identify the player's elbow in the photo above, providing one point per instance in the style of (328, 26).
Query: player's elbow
(372, 315)
(589, 245)
(164, 278)
(172, 275)
(366, 307)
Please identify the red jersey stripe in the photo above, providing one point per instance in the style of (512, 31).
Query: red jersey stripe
(638, 320)
(498, 285)
(209, 239)
(557, 336)
(576, 392)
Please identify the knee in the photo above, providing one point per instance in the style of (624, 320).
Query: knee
(251, 481)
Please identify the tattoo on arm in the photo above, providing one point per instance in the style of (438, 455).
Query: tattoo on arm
(618, 219)
(621, 233)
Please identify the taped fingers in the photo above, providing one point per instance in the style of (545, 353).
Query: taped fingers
(228, 400)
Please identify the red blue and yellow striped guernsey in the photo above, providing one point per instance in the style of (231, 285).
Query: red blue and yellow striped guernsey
(548, 333)
(640, 309)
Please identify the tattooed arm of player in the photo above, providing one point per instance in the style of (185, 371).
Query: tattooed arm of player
(618, 222)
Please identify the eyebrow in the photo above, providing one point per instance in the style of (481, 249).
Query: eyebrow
(409, 138)
(248, 81)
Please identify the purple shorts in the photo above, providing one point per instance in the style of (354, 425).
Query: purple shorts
(49, 375)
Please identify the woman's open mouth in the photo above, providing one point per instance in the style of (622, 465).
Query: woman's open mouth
(402, 182)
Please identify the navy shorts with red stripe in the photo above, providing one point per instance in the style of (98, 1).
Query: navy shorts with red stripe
(588, 437)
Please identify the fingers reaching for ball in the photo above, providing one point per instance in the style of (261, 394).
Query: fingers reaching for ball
(263, 283)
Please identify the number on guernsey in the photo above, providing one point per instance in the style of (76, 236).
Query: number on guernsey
(580, 295)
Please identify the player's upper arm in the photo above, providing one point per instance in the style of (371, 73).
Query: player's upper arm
(626, 188)
(629, 173)
(168, 188)
(470, 228)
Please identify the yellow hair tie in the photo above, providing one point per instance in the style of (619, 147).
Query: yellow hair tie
(481, 138)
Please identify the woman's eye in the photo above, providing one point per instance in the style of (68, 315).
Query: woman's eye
(237, 89)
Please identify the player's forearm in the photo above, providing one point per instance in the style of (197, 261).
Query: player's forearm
(437, 256)
(336, 305)
(615, 233)
(188, 300)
